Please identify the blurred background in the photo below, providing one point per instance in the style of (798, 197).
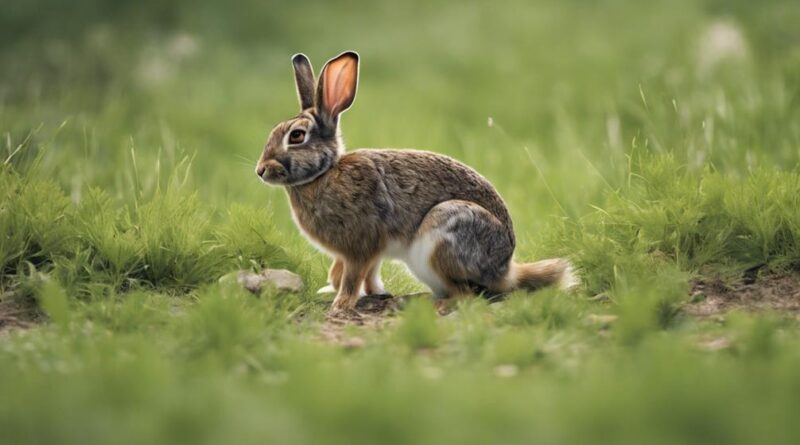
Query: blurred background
(646, 140)
(572, 88)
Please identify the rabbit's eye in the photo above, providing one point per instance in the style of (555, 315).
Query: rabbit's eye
(297, 136)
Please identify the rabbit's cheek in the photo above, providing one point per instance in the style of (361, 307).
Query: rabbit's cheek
(286, 163)
(305, 169)
(308, 166)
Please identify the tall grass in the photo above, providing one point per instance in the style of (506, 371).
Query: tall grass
(162, 241)
(651, 143)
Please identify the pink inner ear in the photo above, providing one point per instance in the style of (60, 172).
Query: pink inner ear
(340, 84)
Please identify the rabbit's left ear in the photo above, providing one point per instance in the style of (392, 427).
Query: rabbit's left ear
(304, 79)
(337, 84)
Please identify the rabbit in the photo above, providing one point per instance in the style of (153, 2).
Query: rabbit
(445, 221)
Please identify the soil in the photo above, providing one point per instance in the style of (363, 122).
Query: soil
(779, 293)
(16, 315)
(372, 311)
(710, 296)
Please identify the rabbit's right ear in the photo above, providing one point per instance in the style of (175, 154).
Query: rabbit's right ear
(337, 85)
(304, 78)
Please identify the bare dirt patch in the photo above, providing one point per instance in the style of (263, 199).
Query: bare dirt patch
(372, 311)
(16, 315)
(775, 292)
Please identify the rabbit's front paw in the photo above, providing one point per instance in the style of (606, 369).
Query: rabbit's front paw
(344, 316)
(344, 302)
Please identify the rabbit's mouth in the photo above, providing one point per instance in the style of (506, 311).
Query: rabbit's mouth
(273, 172)
(290, 172)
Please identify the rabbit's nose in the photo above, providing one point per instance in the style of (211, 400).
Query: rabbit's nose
(271, 170)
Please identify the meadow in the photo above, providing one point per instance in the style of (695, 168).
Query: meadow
(655, 144)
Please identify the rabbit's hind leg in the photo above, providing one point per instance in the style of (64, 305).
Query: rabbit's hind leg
(466, 249)
(335, 274)
(373, 285)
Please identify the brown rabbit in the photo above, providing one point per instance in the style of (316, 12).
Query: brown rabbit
(440, 217)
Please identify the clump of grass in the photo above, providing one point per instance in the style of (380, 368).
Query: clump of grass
(113, 254)
(177, 253)
(647, 305)
(133, 311)
(419, 328)
(162, 241)
(55, 303)
(35, 223)
(223, 323)
(248, 235)
(551, 309)
(689, 161)
(671, 217)
(520, 347)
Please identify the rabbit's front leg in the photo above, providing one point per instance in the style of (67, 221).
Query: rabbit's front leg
(353, 275)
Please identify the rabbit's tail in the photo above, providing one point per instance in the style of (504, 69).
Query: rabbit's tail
(534, 276)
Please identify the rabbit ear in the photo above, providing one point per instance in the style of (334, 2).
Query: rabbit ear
(337, 84)
(304, 78)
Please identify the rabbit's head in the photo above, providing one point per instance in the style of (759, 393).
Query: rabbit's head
(304, 147)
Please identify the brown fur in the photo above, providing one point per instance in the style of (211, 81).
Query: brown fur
(335, 273)
(355, 205)
(304, 80)
(534, 276)
(371, 196)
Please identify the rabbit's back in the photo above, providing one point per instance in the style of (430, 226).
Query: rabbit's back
(416, 181)
(373, 196)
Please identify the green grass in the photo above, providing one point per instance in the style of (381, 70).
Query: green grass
(652, 143)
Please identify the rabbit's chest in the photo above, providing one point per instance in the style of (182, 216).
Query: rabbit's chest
(328, 224)
(310, 219)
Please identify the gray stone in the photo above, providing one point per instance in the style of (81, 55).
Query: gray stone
(280, 279)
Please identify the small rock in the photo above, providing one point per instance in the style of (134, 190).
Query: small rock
(280, 279)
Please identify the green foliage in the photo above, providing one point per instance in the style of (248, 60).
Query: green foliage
(251, 236)
(671, 218)
(54, 302)
(163, 241)
(649, 142)
(419, 329)
(549, 310)
(33, 218)
(223, 324)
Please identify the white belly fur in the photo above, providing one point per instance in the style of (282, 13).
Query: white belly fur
(417, 257)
